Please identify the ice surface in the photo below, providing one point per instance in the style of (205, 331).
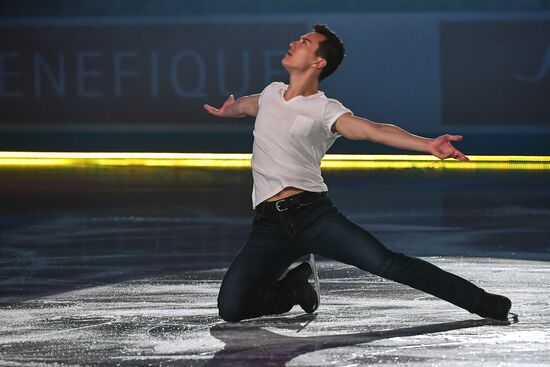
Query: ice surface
(362, 320)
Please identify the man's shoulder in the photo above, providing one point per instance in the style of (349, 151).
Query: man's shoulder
(333, 102)
(277, 84)
(273, 85)
(330, 99)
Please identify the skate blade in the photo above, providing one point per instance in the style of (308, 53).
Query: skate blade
(316, 285)
(513, 317)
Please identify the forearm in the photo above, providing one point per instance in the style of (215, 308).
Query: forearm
(396, 137)
(237, 109)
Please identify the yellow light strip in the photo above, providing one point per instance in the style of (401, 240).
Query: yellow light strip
(236, 160)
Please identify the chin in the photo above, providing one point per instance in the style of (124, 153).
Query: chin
(284, 64)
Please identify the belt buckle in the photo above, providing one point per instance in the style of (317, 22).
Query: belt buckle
(277, 205)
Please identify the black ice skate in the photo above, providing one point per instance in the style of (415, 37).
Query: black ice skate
(494, 306)
(303, 293)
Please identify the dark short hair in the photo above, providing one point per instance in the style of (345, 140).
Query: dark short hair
(331, 49)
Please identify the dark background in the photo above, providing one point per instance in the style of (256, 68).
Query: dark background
(133, 75)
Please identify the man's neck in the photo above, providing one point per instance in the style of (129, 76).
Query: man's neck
(301, 85)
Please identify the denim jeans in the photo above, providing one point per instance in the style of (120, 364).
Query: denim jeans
(251, 287)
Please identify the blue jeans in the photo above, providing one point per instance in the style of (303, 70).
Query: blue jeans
(251, 286)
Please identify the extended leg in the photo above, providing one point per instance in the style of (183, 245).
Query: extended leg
(334, 236)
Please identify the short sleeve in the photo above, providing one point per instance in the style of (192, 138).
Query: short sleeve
(263, 92)
(333, 110)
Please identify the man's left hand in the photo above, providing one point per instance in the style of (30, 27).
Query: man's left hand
(441, 147)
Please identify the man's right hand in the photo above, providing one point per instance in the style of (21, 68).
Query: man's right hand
(221, 112)
(244, 106)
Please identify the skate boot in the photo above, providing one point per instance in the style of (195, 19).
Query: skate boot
(302, 292)
(493, 306)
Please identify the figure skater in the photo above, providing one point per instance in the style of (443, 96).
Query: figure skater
(293, 216)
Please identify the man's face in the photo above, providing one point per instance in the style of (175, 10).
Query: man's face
(301, 54)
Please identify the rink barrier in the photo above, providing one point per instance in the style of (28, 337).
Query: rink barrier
(237, 160)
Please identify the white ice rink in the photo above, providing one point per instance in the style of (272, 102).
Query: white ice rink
(362, 320)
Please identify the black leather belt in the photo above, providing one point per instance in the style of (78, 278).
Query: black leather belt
(293, 202)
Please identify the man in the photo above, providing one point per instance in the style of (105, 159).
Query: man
(295, 125)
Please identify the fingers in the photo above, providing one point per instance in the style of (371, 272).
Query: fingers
(450, 153)
(216, 111)
(454, 137)
(229, 100)
(210, 109)
(458, 155)
(450, 137)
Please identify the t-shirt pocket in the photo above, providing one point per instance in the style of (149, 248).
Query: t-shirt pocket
(302, 125)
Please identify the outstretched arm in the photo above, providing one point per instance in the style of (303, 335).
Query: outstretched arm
(357, 128)
(244, 106)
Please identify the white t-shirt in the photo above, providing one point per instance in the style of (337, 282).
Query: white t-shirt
(290, 139)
